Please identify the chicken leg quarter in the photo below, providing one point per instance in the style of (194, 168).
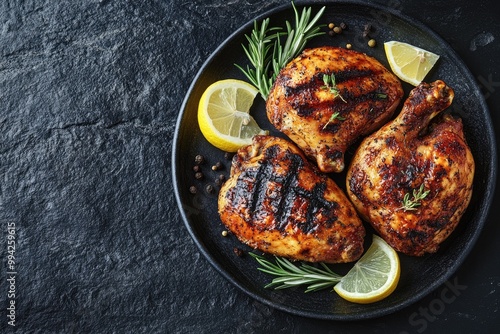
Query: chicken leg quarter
(406, 154)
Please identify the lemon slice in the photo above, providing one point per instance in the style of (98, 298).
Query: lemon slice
(373, 277)
(410, 63)
(223, 114)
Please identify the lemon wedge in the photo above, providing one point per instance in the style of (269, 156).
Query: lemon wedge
(409, 63)
(374, 277)
(223, 114)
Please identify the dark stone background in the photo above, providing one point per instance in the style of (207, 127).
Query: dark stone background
(89, 96)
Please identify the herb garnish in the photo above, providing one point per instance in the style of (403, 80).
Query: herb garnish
(266, 65)
(411, 204)
(331, 85)
(335, 115)
(290, 275)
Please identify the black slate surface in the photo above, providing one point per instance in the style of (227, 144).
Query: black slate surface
(89, 95)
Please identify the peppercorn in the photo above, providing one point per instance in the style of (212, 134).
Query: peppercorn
(331, 33)
(348, 46)
(331, 25)
(372, 43)
(217, 166)
(196, 168)
(228, 156)
(367, 30)
(193, 190)
(220, 180)
(238, 252)
(198, 175)
(343, 26)
(337, 30)
(209, 188)
(199, 159)
(224, 233)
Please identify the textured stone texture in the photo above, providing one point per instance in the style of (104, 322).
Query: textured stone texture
(89, 95)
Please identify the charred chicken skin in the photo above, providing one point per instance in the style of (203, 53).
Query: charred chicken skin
(276, 201)
(408, 153)
(324, 119)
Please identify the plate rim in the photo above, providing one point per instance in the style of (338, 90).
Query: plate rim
(486, 203)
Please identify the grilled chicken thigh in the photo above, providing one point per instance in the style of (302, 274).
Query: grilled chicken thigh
(278, 202)
(324, 119)
(412, 155)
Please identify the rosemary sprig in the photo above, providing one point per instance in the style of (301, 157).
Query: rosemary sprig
(305, 29)
(267, 64)
(414, 202)
(290, 275)
(259, 45)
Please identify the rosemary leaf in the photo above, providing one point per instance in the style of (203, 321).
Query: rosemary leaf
(266, 53)
(319, 286)
(290, 275)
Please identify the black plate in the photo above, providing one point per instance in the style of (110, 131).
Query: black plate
(419, 276)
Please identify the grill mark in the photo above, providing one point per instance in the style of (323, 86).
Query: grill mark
(284, 205)
(352, 74)
(258, 191)
(334, 155)
(304, 111)
(302, 99)
(316, 203)
(298, 96)
(316, 81)
(262, 175)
